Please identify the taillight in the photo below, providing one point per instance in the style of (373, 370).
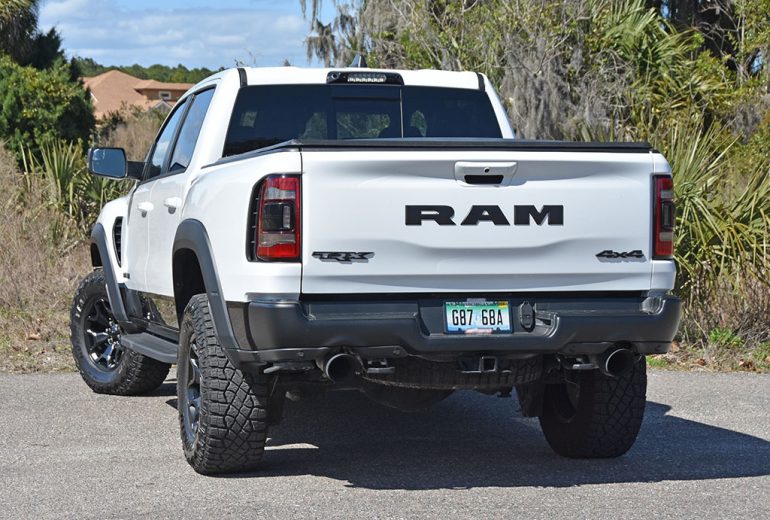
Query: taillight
(278, 218)
(664, 217)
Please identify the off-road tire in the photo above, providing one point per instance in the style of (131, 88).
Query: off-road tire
(232, 416)
(414, 372)
(607, 417)
(134, 374)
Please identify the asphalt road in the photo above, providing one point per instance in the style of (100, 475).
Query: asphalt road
(703, 452)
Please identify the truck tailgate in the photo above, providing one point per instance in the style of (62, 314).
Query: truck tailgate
(429, 228)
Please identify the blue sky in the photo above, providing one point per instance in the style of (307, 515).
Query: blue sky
(191, 32)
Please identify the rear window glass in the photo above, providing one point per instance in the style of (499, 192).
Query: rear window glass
(270, 114)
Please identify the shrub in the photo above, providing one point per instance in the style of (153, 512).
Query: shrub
(37, 106)
(722, 227)
(61, 182)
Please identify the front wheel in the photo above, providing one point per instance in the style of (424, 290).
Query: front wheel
(592, 415)
(223, 412)
(102, 361)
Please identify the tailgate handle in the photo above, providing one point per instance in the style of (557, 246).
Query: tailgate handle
(484, 179)
(485, 173)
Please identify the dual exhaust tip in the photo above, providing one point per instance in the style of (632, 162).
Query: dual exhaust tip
(340, 368)
(615, 362)
(343, 367)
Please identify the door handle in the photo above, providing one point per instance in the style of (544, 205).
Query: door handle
(172, 203)
(145, 207)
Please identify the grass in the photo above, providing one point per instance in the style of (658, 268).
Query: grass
(37, 279)
(34, 332)
(735, 357)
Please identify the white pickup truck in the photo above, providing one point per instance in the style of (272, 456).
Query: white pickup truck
(294, 230)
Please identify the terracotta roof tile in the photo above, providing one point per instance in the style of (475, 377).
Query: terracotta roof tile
(114, 91)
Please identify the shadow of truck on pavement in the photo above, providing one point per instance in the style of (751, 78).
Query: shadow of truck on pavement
(471, 440)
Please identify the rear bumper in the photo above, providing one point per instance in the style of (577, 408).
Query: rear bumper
(269, 332)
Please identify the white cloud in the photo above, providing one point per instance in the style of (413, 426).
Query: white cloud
(65, 8)
(195, 37)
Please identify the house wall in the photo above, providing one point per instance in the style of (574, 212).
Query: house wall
(153, 93)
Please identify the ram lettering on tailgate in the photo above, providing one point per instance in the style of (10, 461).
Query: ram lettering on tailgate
(522, 215)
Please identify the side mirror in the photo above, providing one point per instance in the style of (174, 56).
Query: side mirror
(112, 163)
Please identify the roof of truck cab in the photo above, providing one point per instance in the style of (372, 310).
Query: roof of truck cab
(433, 78)
(300, 75)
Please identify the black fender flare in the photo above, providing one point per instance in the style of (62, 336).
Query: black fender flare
(191, 234)
(99, 239)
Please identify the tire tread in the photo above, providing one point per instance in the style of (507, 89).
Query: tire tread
(609, 415)
(233, 417)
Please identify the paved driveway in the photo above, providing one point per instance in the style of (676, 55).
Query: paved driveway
(703, 452)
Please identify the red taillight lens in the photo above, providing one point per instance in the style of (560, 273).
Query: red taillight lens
(278, 218)
(664, 217)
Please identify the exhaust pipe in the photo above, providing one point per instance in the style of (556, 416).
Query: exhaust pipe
(615, 362)
(340, 368)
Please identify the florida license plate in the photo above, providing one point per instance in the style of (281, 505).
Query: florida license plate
(477, 317)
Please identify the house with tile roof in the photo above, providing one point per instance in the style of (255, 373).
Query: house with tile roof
(114, 91)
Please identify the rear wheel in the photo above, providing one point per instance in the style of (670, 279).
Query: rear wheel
(592, 415)
(223, 412)
(102, 361)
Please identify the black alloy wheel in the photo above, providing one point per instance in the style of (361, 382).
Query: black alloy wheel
(191, 407)
(103, 362)
(101, 339)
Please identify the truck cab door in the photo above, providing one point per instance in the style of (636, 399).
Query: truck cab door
(169, 192)
(136, 239)
(143, 205)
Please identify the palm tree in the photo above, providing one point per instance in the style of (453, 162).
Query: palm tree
(18, 27)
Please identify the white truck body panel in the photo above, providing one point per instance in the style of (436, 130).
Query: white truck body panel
(136, 244)
(110, 213)
(228, 188)
(355, 201)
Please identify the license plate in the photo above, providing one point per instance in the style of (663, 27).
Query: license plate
(477, 317)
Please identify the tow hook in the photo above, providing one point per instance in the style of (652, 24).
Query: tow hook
(479, 365)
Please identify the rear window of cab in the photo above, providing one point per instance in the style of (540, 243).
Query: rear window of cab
(265, 115)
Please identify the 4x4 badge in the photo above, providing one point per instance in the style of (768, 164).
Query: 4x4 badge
(608, 253)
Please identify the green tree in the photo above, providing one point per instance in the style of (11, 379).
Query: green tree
(18, 28)
(178, 74)
(46, 50)
(736, 32)
(38, 106)
(21, 39)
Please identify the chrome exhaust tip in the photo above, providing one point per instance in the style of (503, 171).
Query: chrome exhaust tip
(615, 362)
(340, 368)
